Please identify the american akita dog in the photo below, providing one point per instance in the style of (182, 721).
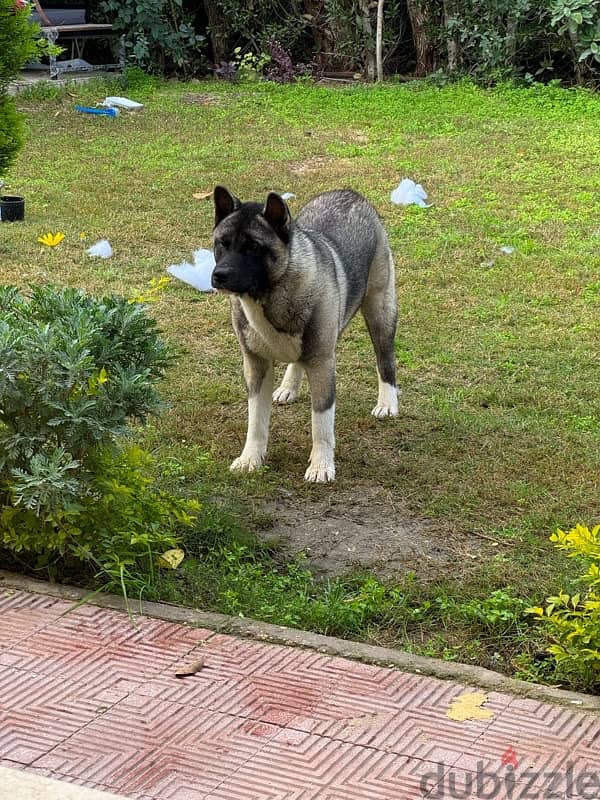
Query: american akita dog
(294, 286)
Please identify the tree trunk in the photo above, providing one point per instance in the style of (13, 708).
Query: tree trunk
(452, 45)
(418, 12)
(217, 30)
(576, 61)
(379, 41)
(369, 43)
(322, 35)
(512, 25)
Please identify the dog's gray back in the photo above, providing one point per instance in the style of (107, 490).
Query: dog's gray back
(349, 221)
(345, 232)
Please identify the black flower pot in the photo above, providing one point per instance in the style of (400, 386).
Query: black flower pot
(12, 208)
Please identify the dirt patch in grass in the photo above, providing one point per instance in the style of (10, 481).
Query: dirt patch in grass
(361, 530)
(308, 166)
(201, 99)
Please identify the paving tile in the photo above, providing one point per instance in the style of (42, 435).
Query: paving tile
(57, 776)
(418, 725)
(576, 776)
(148, 746)
(542, 737)
(22, 614)
(300, 766)
(268, 694)
(89, 698)
(103, 648)
(38, 712)
(555, 723)
(550, 748)
(197, 759)
(333, 697)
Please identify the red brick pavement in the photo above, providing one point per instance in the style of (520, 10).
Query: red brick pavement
(87, 697)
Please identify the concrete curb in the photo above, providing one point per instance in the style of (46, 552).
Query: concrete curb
(276, 634)
(23, 786)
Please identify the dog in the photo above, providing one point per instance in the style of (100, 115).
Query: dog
(294, 286)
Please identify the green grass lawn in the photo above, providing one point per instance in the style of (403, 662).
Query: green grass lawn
(499, 355)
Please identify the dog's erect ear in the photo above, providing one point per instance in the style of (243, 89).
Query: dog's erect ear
(278, 215)
(225, 203)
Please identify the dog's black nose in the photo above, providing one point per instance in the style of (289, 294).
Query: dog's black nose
(219, 278)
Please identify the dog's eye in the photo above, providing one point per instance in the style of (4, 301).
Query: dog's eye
(253, 247)
(224, 243)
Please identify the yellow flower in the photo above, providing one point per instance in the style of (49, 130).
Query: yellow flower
(83, 235)
(51, 239)
(151, 295)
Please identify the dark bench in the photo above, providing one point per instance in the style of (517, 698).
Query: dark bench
(70, 24)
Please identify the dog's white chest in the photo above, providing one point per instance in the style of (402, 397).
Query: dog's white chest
(275, 344)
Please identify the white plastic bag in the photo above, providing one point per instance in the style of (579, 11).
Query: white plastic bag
(409, 193)
(197, 274)
(121, 102)
(101, 249)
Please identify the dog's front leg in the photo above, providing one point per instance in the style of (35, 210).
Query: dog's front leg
(290, 385)
(258, 373)
(321, 378)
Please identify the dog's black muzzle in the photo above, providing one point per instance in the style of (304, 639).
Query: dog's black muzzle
(240, 275)
(223, 278)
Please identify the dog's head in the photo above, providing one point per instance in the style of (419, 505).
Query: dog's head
(251, 243)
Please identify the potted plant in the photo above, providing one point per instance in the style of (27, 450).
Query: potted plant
(12, 208)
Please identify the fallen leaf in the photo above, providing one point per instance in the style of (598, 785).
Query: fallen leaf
(171, 559)
(190, 669)
(202, 195)
(468, 706)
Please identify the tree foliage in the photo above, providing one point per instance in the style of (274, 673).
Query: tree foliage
(488, 41)
(18, 44)
(157, 35)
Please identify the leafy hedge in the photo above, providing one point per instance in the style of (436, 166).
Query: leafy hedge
(75, 370)
(18, 44)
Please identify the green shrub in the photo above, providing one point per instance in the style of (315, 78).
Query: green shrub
(158, 36)
(580, 21)
(572, 621)
(74, 371)
(11, 132)
(18, 44)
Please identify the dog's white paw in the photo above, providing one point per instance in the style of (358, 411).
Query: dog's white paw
(246, 463)
(282, 395)
(320, 471)
(385, 411)
(387, 401)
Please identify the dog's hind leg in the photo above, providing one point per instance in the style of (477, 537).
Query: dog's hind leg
(380, 313)
(258, 373)
(287, 392)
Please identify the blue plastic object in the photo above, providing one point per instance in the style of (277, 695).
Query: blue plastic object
(105, 112)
